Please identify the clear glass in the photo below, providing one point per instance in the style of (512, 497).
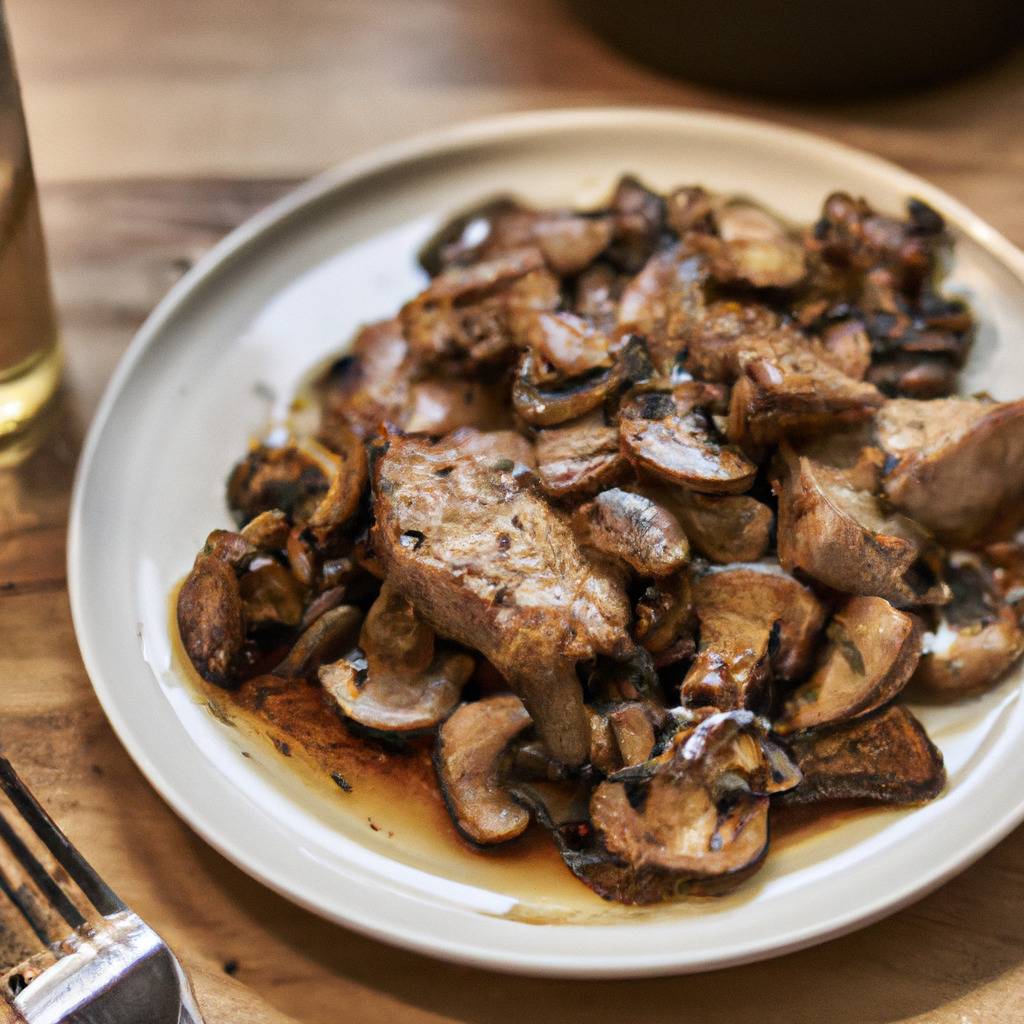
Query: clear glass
(30, 359)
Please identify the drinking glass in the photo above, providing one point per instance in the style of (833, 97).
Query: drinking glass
(30, 357)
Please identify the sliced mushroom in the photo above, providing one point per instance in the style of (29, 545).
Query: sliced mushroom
(347, 486)
(633, 530)
(487, 562)
(704, 813)
(292, 477)
(975, 638)
(873, 651)
(741, 609)
(234, 549)
(486, 229)
(913, 376)
(325, 638)
(562, 809)
(596, 296)
(271, 596)
(546, 404)
(633, 727)
(638, 221)
(580, 457)
(848, 348)
(396, 680)
(211, 619)
(957, 461)
(664, 303)
(268, 531)
(723, 527)
(835, 530)
(885, 757)
(467, 759)
(570, 242)
(664, 620)
(670, 434)
(752, 246)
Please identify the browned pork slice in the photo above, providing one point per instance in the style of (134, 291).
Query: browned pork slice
(957, 461)
(487, 562)
(833, 528)
(467, 314)
(739, 608)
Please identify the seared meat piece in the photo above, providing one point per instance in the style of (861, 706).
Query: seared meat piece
(833, 528)
(874, 650)
(496, 447)
(728, 333)
(579, 457)
(670, 434)
(487, 562)
(467, 315)
(396, 680)
(886, 757)
(788, 390)
(751, 246)
(722, 527)
(664, 303)
(958, 461)
(741, 609)
(704, 811)
(974, 639)
(467, 757)
(633, 530)
(211, 619)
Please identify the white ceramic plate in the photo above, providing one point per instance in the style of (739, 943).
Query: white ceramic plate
(228, 345)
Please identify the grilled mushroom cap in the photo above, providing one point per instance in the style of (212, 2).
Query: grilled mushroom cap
(722, 527)
(271, 596)
(664, 620)
(670, 434)
(975, 638)
(705, 809)
(467, 759)
(323, 639)
(837, 532)
(396, 681)
(211, 620)
(546, 403)
(886, 757)
(873, 652)
(739, 608)
(634, 530)
(957, 461)
(579, 457)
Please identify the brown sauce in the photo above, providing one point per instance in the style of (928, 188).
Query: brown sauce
(392, 793)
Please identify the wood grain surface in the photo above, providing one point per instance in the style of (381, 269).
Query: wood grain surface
(157, 127)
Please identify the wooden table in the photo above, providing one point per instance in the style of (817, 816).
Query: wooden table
(160, 124)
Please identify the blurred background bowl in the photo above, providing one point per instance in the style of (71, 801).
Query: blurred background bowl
(812, 49)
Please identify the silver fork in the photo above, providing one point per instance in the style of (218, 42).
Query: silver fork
(101, 963)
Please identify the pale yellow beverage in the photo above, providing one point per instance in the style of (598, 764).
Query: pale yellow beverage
(30, 360)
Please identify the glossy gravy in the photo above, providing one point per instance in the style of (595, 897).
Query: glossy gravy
(393, 793)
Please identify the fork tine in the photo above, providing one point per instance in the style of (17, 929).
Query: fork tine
(35, 871)
(95, 889)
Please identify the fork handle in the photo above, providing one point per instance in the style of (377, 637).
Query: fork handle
(224, 1000)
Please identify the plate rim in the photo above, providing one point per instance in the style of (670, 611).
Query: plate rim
(319, 187)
